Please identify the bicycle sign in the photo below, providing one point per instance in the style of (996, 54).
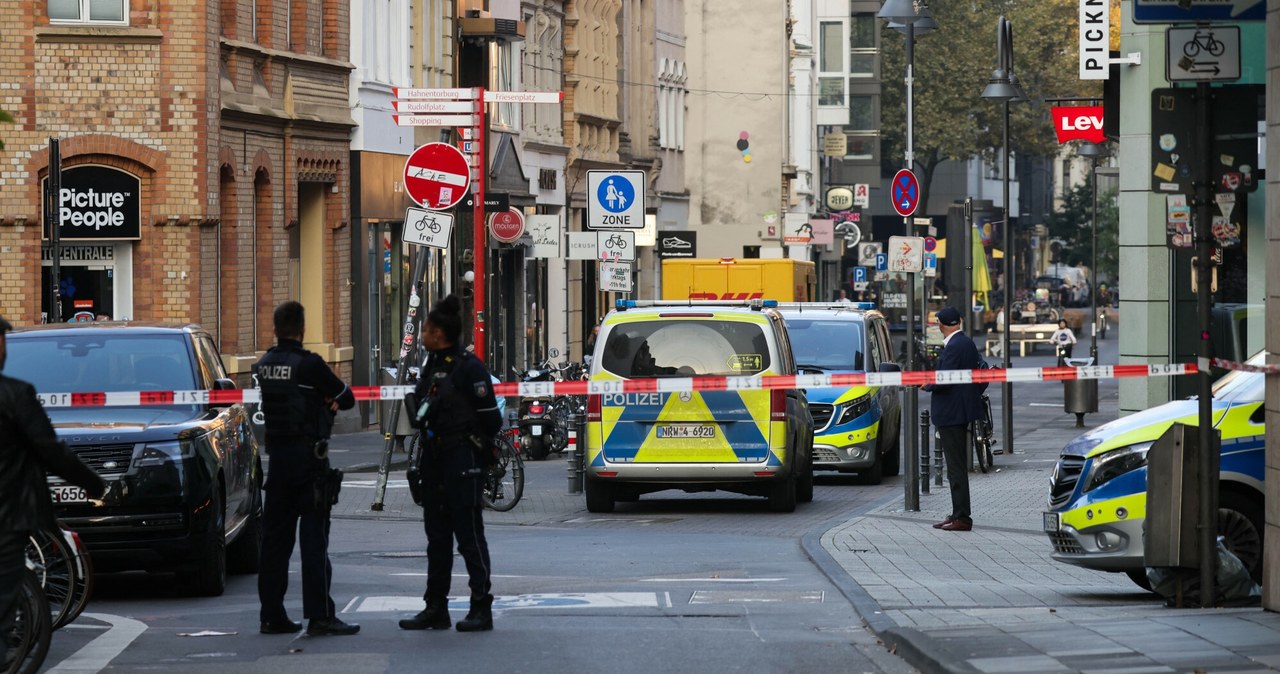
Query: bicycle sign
(427, 228)
(1202, 54)
(616, 246)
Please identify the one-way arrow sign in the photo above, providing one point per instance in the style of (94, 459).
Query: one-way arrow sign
(1202, 54)
(906, 253)
(1194, 11)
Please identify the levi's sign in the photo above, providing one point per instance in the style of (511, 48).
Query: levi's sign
(1079, 123)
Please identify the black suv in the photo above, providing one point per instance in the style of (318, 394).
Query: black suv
(184, 479)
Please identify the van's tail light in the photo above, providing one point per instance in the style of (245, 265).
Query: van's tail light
(535, 409)
(777, 405)
(593, 407)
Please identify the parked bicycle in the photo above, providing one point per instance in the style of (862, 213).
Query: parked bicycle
(503, 481)
(983, 433)
(24, 647)
(65, 571)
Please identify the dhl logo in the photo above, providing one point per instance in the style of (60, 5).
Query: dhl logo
(726, 296)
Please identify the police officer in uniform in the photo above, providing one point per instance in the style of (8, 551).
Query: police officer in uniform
(300, 395)
(458, 413)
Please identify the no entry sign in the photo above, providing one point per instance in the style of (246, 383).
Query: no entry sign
(436, 176)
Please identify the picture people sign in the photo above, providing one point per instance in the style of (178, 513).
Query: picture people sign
(98, 203)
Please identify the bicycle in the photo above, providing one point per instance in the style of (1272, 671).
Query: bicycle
(504, 481)
(983, 434)
(1207, 42)
(26, 643)
(65, 572)
(425, 223)
(615, 241)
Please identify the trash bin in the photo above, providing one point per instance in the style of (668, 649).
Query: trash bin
(402, 423)
(1080, 396)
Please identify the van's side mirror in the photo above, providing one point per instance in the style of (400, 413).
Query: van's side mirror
(889, 367)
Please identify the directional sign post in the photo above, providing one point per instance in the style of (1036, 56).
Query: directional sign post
(1198, 11)
(1202, 54)
(905, 193)
(615, 199)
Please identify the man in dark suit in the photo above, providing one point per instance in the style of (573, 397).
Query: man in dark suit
(953, 407)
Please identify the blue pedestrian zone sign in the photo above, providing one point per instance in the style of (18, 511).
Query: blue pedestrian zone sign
(616, 199)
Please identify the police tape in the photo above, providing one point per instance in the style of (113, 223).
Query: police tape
(1224, 364)
(660, 385)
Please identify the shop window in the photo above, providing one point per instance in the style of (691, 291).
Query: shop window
(832, 63)
(89, 11)
(862, 45)
(505, 77)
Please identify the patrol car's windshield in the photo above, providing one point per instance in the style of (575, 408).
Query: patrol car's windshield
(685, 349)
(1242, 387)
(825, 344)
(91, 363)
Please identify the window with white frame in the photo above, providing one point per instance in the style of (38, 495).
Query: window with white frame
(832, 63)
(863, 28)
(672, 90)
(504, 77)
(89, 11)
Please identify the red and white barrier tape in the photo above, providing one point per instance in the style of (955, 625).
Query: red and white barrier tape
(666, 385)
(1241, 367)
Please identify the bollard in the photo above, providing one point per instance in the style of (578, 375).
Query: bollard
(575, 473)
(924, 451)
(938, 465)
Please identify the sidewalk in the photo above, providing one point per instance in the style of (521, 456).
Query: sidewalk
(992, 600)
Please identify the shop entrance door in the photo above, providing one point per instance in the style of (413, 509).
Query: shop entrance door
(86, 292)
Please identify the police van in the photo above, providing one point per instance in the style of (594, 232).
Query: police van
(754, 442)
(856, 428)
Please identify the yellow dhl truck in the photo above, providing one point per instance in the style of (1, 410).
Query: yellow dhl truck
(733, 279)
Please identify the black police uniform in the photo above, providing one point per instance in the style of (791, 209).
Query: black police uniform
(461, 412)
(295, 384)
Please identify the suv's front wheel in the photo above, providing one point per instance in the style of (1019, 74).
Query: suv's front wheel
(209, 577)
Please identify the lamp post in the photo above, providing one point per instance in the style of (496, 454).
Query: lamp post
(910, 16)
(1003, 87)
(1094, 152)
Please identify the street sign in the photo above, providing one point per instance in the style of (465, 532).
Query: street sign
(862, 195)
(859, 274)
(905, 192)
(882, 262)
(1202, 54)
(523, 96)
(436, 120)
(436, 176)
(930, 244)
(456, 94)
(1198, 11)
(435, 107)
(427, 228)
(615, 199)
(615, 277)
(616, 246)
(507, 226)
(930, 264)
(906, 253)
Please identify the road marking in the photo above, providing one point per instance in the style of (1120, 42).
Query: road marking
(1044, 404)
(97, 654)
(387, 604)
(711, 580)
(755, 597)
(370, 484)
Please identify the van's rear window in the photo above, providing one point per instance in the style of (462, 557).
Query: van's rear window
(686, 348)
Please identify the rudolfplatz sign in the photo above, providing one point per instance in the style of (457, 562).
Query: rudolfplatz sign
(98, 203)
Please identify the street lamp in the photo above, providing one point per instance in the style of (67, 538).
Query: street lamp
(1003, 86)
(911, 16)
(1094, 152)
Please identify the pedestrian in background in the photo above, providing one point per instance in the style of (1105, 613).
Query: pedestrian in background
(300, 395)
(28, 450)
(1065, 340)
(459, 417)
(953, 407)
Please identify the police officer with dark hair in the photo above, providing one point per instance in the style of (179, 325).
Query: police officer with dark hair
(300, 395)
(28, 449)
(455, 406)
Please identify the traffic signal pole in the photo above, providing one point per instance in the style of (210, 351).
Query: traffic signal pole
(1208, 482)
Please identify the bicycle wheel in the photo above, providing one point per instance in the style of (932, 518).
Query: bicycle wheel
(981, 451)
(55, 569)
(82, 587)
(25, 646)
(504, 483)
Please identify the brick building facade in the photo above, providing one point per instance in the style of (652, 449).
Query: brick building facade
(233, 118)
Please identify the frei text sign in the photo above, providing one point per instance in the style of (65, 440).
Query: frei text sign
(427, 228)
(1079, 123)
(616, 246)
(1095, 39)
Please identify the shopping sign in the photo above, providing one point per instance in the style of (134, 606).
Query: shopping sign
(1081, 122)
(507, 226)
(436, 176)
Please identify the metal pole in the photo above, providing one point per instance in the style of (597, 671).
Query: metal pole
(53, 193)
(1093, 273)
(967, 308)
(911, 393)
(1208, 476)
(479, 241)
(1006, 388)
(924, 451)
(407, 344)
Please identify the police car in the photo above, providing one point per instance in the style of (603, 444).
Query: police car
(856, 429)
(751, 442)
(1098, 492)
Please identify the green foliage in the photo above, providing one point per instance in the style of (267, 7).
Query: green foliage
(8, 119)
(952, 66)
(1070, 225)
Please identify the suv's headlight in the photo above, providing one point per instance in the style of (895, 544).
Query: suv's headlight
(854, 409)
(1113, 464)
(160, 453)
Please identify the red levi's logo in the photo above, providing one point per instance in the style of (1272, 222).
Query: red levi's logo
(1079, 123)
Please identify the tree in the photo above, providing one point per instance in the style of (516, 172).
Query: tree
(1070, 226)
(7, 119)
(954, 63)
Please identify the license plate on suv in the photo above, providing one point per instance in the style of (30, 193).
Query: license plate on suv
(686, 431)
(68, 494)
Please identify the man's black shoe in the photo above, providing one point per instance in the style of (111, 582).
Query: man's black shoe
(285, 626)
(433, 617)
(480, 617)
(319, 627)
